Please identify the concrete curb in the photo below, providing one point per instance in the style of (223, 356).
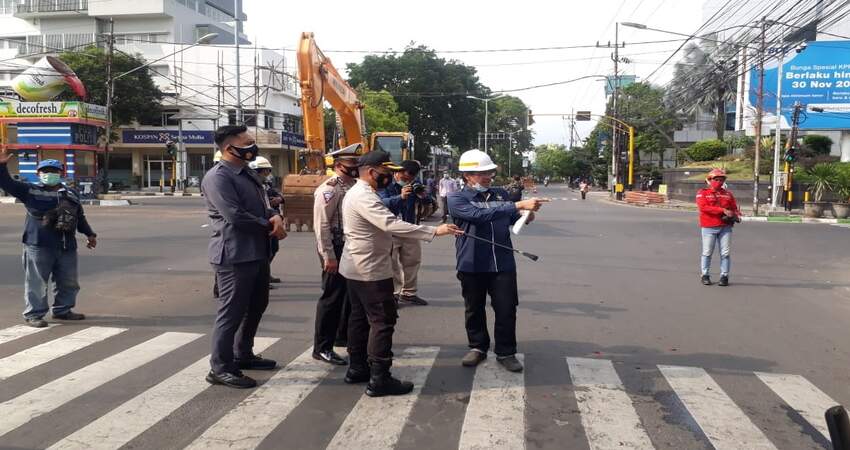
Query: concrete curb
(136, 195)
(792, 219)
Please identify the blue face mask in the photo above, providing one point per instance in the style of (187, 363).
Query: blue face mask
(49, 179)
(480, 188)
(402, 183)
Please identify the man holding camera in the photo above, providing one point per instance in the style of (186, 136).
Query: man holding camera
(54, 216)
(718, 212)
(403, 197)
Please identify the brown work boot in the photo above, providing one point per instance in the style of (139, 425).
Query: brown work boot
(473, 358)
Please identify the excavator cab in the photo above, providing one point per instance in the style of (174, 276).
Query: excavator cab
(398, 144)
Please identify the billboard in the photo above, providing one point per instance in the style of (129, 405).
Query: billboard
(818, 76)
(163, 136)
(74, 110)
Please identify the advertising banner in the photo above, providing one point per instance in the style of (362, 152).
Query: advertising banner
(818, 76)
(75, 110)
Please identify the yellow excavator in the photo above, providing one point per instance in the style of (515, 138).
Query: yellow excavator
(321, 82)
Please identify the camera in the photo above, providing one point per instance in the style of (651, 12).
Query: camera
(418, 188)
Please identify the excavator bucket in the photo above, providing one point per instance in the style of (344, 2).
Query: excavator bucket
(298, 196)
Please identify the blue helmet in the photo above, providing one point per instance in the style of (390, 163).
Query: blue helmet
(50, 163)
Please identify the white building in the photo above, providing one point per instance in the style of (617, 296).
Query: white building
(198, 82)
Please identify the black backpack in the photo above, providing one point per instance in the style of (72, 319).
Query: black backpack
(64, 218)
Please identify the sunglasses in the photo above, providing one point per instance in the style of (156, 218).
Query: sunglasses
(719, 178)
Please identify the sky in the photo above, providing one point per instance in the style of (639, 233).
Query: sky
(497, 24)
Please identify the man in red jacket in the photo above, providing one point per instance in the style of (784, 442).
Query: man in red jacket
(718, 212)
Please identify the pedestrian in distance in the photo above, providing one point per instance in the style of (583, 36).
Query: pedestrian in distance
(718, 213)
(583, 187)
(487, 212)
(242, 223)
(263, 167)
(54, 217)
(369, 228)
(333, 308)
(405, 197)
(446, 187)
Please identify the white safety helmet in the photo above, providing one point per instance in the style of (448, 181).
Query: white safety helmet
(475, 161)
(260, 163)
(217, 156)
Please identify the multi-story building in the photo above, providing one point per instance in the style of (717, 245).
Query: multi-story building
(198, 83)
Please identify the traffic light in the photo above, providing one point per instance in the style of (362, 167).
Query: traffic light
(171, 149)
(530, 118)
(791, 154)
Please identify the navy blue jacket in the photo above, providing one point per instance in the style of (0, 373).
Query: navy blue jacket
(38, 200)
(488, 215)
(406, 208)
(239, 215)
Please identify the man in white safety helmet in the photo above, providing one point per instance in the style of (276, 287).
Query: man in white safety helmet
(264, 169)
(486, 212)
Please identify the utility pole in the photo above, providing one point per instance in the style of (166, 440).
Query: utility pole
(615, 147)
(110, 87)
(572, 128)
(236, 28)
(774, 192)
(759, 114)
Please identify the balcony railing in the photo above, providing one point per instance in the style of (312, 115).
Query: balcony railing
(51, 6)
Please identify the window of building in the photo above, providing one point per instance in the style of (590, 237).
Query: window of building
(291, 124)
(268, 119)
(231, 117)
(8, 6)
(167, 119)
(249, 116)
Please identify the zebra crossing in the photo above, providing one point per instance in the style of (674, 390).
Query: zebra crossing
(495, 415)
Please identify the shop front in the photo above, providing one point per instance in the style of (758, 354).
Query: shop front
(65, 131)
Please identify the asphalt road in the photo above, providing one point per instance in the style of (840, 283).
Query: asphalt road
(657, 360)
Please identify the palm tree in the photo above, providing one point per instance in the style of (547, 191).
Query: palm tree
(704, 80)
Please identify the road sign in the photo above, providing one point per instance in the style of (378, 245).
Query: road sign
(582, 116)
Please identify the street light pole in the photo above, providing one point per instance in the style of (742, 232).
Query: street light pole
(110, 89)
(238, 74)
(758, 120)
(486, 101)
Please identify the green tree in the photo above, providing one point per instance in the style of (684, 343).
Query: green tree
(555, 161)
(381, 111)
(507, 116)
(642, 106)
(136, 97)
(431, 91)
(705, 80)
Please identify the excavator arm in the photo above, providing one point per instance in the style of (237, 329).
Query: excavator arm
(321, 82)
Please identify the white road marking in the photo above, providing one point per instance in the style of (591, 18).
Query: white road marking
(46, 398)
(607, 413)
(809, 401)
(377, 423)
(722, 421)
(495, 416)
(19, 331)
(113, 430)
(246, 425)
(44, 353)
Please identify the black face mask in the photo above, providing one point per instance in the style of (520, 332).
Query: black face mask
(248, 153)
(350, 171)
(383, 179)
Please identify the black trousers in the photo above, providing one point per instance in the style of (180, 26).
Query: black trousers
(583, 195)
(332, 309)
(502, 288)
(243, 297)
(372, 322)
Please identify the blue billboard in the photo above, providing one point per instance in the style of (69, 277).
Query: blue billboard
(818, 76)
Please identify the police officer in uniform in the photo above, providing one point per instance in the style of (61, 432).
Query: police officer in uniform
(332, 310)
(369, 228)
(242, 222)
(487, 212)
